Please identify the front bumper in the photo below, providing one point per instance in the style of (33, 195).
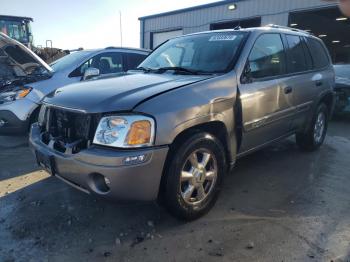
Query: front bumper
(15, 117)
(85, 170)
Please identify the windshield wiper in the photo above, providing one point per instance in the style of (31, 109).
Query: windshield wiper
(177, 69)
(144, 69)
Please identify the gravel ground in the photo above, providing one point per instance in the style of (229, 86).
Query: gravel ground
(278, 204)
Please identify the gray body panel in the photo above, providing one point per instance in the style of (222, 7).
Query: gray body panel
(121, 93)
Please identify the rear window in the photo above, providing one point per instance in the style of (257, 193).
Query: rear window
(296, 56)
(318, 53)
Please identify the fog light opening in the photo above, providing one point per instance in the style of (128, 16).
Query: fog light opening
(101, 183)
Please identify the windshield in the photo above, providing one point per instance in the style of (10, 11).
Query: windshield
(15, 29)
(69, 60)
(19, 62)
(207, 53)
(342, 71)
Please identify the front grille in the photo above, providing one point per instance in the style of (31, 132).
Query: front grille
(67, 131)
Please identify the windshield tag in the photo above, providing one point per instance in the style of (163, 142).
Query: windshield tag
(222, 37)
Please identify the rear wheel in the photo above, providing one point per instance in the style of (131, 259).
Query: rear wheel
(194, 176)
(314, 137)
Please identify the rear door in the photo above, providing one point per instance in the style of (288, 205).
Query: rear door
(305, 77)
(266, 103)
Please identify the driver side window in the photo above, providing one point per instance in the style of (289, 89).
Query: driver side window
(267, 58)
(107, 63)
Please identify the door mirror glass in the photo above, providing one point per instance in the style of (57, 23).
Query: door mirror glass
(90, 73)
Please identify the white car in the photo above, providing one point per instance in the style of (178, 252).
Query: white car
(25, 79)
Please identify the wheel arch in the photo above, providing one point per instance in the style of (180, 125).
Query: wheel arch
(328, 98)
(216, 128)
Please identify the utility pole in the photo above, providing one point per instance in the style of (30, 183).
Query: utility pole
(121, 29)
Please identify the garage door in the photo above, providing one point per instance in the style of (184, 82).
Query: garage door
(331, 26)
(244, 23)
(159, 38)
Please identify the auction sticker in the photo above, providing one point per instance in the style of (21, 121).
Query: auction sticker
(222, 37)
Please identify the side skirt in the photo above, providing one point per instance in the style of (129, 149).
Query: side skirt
(252, 150)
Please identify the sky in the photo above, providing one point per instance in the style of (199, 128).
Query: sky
(89, 24)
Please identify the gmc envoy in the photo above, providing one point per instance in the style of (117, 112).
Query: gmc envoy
(174, 127)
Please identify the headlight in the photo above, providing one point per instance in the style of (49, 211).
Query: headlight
(126, 131)
(15, 94)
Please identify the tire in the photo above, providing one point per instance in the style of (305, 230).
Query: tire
(314, 137)
(191, 186)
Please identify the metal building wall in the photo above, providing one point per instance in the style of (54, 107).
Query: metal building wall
(271, 11)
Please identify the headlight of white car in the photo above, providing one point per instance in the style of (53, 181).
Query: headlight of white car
(15, 94)
(125, 131)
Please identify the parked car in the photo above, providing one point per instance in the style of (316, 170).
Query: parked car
(174, 127)
(25, 79)
(342, 86)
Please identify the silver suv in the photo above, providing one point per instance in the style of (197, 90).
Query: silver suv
(174, 127)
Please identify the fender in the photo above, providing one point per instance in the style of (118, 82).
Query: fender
(209, 101)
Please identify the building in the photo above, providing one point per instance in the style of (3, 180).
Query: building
(319, 17)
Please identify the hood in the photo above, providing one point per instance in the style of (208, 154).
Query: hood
(121, 93)
(19, 64)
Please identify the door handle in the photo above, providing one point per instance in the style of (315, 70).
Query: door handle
(319, 83)
(288, 90)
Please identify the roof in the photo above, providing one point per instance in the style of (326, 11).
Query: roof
(11, 17)
(129, 48)
(193, 8)
(121, 49)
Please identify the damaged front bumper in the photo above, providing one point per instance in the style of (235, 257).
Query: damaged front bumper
(106, 172)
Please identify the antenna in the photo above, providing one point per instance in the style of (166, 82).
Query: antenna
(121, 29)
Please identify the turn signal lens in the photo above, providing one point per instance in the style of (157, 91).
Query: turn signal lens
(140, 133)
(23, 93)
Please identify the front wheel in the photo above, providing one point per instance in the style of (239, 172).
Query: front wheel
(194, 176)
(314, 137)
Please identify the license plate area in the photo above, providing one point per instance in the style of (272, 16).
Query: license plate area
(46, 161)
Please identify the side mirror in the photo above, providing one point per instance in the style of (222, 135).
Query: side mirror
(247, 75)
(90, 73)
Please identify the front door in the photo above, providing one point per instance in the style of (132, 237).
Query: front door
(267, 109)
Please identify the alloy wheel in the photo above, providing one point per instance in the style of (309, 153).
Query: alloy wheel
(198, 176)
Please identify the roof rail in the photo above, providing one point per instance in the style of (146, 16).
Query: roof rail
(288, 28)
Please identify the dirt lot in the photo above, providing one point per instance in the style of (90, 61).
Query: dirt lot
(278, 205)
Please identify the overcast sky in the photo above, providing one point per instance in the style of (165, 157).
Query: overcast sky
(89, 23)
